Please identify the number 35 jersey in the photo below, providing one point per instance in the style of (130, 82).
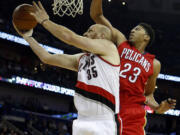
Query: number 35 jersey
(97, 90)
(136, 68)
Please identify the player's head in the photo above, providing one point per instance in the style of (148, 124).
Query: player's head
(142, 33)
(98, 31)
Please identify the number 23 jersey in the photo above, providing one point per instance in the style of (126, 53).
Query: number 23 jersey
(97, 90)
(136, 68)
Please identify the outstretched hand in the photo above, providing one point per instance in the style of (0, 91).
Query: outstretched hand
(165, 105)
(23, 33)
(40, 13)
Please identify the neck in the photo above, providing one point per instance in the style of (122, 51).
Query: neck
(141, 47)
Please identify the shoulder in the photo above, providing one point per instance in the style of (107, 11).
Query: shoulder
(111, 54)
(107, 44)
(111, 49)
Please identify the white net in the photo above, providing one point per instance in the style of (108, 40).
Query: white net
(68, 7)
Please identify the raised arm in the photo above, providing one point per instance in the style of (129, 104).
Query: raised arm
(61, 60)
(95, 46)
(96, 14)
(69, 37)
(150, 89)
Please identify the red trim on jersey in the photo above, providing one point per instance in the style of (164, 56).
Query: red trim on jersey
(122, 43)
(107, 61)
(96, 90)
(119, 124)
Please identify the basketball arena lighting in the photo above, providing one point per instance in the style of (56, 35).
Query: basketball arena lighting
(169, 77)
(123, 3)
(37, 84)
(172, 112)
(62, 90)
(69, 116)
(21, 41)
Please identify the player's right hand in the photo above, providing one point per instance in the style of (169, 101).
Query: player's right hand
(40, 13)
(27, 33)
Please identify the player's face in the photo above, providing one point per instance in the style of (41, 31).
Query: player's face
(137, 35)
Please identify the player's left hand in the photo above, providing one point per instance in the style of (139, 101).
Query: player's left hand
(165, 105)
(40, 13)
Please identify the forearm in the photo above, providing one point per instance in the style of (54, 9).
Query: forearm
(96, 9)
(96, 13)
(59, 31)
(151, 102)
(61, 60)
(37, 49)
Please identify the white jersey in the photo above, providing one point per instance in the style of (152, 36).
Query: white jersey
(97, 90)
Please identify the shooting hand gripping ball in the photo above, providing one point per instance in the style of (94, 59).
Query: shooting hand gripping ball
(40, 13)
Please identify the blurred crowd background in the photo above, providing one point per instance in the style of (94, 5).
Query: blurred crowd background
(26, 110)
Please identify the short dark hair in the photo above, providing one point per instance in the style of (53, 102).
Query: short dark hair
(150, 31)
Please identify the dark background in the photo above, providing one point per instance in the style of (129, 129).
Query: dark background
(163, 15)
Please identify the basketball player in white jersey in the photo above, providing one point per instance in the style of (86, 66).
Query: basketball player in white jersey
(97, 94)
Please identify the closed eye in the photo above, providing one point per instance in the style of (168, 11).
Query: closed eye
(89, 30)
(137, 29)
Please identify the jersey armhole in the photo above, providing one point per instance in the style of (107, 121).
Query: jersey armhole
(81, 57)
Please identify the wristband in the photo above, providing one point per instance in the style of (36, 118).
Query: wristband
(44, 21)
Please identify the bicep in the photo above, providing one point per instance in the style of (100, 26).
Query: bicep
(150, 86)
(64, 61)
(151, 83)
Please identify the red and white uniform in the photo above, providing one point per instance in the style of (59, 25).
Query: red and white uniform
(136, 68)
(97, 96)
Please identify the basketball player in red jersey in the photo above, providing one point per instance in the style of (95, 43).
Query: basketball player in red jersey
(139, 71)
(97, 95)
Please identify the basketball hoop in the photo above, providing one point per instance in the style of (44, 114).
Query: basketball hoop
(68, 7)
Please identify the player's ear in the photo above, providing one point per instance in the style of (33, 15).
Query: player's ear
(146, 37)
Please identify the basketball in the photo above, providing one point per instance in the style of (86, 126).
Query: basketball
(22, 17)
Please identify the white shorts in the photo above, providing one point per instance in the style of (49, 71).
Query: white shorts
(95, 126)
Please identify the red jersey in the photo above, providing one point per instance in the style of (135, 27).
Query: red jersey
(135, 71)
